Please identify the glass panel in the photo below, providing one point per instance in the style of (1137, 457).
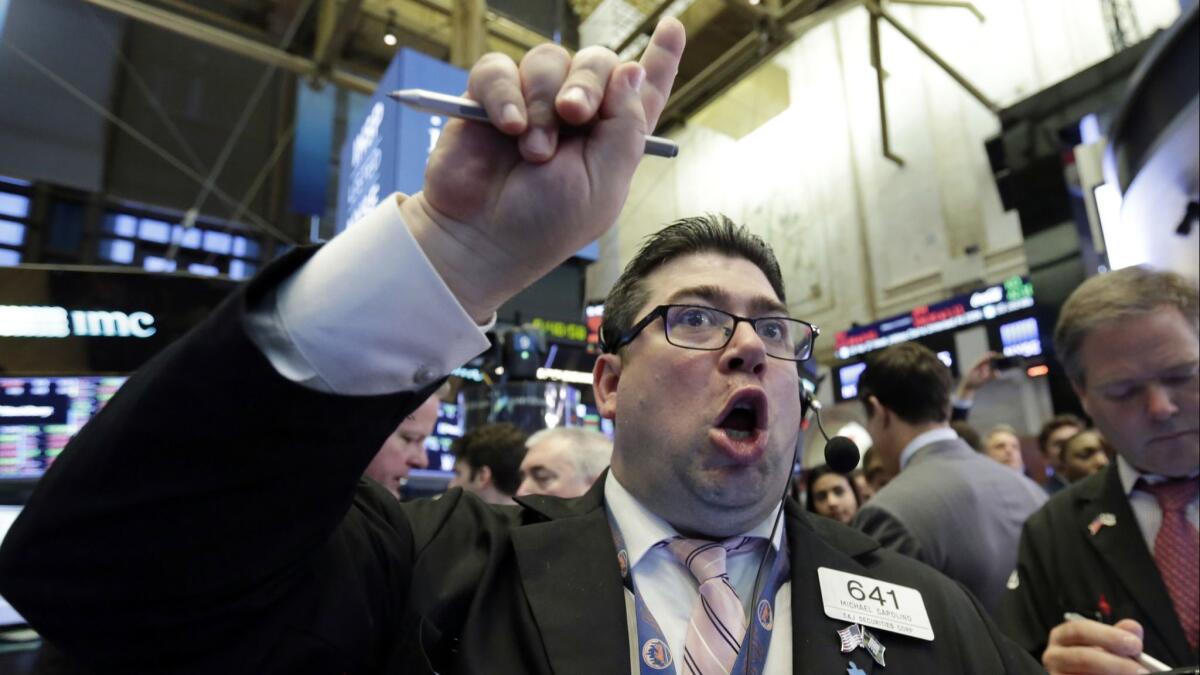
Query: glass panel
(203, 270)
(154, 263)
(117, 250)
(11, 233)
(155, 230)
(16, 206)
(217, 242)
(9, 257)
(187, 238)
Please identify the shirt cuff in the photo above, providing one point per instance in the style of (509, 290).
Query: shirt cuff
(367, 314)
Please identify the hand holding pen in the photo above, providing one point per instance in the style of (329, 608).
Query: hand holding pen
(1080, 645)
(544, 168)
(466, 109)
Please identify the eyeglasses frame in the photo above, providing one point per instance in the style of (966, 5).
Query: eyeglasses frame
(661, 312)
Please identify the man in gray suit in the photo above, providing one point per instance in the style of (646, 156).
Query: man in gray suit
(950, 507)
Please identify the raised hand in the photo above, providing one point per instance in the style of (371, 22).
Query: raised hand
(505, 203)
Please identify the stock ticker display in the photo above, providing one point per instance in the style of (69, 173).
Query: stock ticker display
(39, 415)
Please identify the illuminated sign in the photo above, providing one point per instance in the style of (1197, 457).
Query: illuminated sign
(1015, 294)
(1021, 338)
(593, 314)
(386, 151)
(563, 330)
(559, 375)
(56, 322)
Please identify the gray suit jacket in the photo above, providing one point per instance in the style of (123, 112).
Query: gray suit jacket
(958, 511)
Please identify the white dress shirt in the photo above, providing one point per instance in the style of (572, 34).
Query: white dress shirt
(1145, 506)
(368, 314)
(669, 589)
(924, 439)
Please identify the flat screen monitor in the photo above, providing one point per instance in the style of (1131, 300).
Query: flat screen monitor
(451, 424)
(1021, 338)
(847, 380)
(40, 415)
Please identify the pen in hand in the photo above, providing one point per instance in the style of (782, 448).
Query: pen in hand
(1144, 660)
(465, 108)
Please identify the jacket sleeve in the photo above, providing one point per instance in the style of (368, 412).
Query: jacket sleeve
(184, 517)
(1013, 657)
(1031, 608)
(887, 529)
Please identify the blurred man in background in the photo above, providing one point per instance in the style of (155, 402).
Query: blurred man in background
(1051, 438)
(1121, 546)
(488, 462)
(563, 462)
(1003, 445)
(877, 474)
(1084, 454)
(404, 449)
(948, 506)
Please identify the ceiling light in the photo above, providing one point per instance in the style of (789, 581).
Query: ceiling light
(389, 34)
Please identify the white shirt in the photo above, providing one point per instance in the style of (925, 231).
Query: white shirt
(368, 314)
(924, 439)
(1145, 506)
(669, 589)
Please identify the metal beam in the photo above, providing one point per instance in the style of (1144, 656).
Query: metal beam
(497, 26)
(237, 44)
(645, 26)
(334, 29)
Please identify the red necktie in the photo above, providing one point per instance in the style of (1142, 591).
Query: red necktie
(1177, 552)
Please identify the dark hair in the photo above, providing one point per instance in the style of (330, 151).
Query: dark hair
(810, 479)
(910, 380)
(500, 447)
(968, 433)
(713, 233)
(1054, 424)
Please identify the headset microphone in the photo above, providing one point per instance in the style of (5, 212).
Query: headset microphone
(841, 453)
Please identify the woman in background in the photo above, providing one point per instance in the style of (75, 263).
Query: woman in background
(831, 494)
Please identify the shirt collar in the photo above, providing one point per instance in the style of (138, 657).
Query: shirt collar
(924, 439)
(1130, 476)
(642, 529)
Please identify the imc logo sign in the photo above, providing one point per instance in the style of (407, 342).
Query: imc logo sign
(26, 321)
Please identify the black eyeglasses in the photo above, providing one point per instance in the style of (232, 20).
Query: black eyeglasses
(710, 329)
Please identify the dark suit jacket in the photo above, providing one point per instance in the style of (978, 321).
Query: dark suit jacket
(1109, 575)
(211, 520)
(958, 511)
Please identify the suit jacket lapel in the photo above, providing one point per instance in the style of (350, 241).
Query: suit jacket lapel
(1123, 548)
(815, 643)
(575, 591)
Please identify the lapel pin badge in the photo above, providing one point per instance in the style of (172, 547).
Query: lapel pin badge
(851, 638)
(853, 669)
(874, 647)
(1102, 520)
(656, 654)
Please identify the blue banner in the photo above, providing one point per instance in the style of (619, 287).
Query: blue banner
(315, 112)
(387, 145)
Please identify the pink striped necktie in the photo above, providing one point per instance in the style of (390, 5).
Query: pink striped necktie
(718, 622)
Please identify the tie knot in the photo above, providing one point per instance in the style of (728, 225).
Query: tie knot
(706, 559)
(1173, 495)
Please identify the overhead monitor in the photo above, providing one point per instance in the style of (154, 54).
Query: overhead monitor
(40, 415)
(1021, 338)
(847, 380)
